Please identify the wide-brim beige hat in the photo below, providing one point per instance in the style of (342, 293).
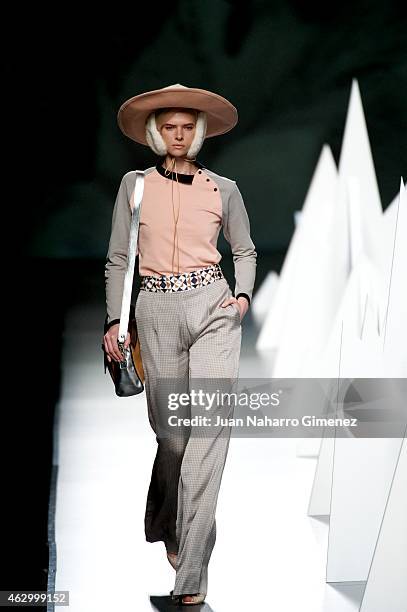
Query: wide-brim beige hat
(221, 114)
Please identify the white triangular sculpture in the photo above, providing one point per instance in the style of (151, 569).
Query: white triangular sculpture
(320, 498)
(358, 223)
(355, 230)
(356, 164)
(386, 586)
(306, 251)
(264, 297)
(353, 530)
(353, 348)
(390, 214)
(369, 334)
(361, 342)
(355, 158)
(361, 480)
(395, 324)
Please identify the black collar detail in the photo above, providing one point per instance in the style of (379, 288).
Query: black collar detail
(182, 178)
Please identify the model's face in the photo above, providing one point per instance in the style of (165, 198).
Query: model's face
(177, 128)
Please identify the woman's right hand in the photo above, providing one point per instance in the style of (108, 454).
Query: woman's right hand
(110, 343)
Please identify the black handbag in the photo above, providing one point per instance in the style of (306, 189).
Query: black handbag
(128, 375)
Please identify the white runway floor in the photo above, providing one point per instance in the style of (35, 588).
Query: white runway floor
(269, 555)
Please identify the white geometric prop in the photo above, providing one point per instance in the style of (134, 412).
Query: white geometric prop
(363, 469)
(302, 292)
(395, 324)
(320, 498)
(264, 297)
(386, 587)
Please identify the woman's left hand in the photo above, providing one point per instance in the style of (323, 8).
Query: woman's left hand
(241, 303)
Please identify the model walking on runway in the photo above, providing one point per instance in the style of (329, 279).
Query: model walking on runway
(188, 319)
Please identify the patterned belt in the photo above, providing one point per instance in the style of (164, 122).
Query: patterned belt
(184, 281)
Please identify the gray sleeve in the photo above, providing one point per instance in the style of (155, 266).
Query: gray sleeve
(116, 258)
(237, 232)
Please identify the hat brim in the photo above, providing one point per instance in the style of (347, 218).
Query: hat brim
(221, 115)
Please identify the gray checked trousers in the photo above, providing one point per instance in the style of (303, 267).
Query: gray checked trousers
(187, 341)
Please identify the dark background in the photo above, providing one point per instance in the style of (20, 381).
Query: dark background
(288, 68)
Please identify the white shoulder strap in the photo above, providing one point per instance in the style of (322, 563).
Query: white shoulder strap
(131, 256)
